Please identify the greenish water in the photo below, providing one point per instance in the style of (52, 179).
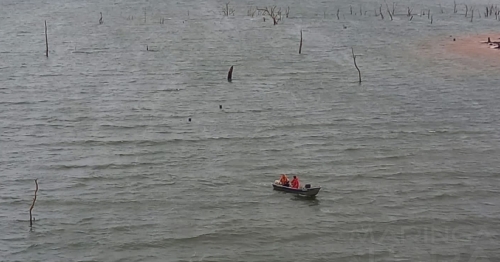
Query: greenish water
(407, 160)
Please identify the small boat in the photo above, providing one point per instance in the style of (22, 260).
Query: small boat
(305, 191)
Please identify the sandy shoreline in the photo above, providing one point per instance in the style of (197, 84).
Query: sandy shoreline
(475, 46)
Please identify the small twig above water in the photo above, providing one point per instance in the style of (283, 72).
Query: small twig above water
(33, 204)
(356, 65)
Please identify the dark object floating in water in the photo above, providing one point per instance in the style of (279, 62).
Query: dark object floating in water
(220, 106)
(492, 43)
(189, 119)
(307, 191)
(230, 74)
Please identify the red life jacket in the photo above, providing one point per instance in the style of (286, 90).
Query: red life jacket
(295, 183)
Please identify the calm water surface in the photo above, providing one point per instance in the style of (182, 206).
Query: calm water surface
(408, 161)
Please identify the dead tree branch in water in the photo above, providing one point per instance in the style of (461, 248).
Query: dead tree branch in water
(380, 11)
(300, 47)
(454, 7)
(230, 74)
(356, 65)
(226, 10)
(33, 204)
(466, 10)
(389, 11)
(272, 12)
(46, 41)
(338, 10)
(251, 11)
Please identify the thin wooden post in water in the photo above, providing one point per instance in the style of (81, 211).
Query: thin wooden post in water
(230, 74)
(46, 41)
(354, 58)
(300, 47)
(33, 204)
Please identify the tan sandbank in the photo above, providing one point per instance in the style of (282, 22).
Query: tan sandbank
(476, 46)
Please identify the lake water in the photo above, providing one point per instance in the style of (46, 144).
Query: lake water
(408, 160)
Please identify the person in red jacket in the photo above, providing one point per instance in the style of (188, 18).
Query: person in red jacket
(295, 182)
(284, 180)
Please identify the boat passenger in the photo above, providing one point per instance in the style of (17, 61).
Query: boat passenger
(295, 182)
(284, 180)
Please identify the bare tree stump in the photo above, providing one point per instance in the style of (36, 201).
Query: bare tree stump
(300, 46)
(230, 74)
